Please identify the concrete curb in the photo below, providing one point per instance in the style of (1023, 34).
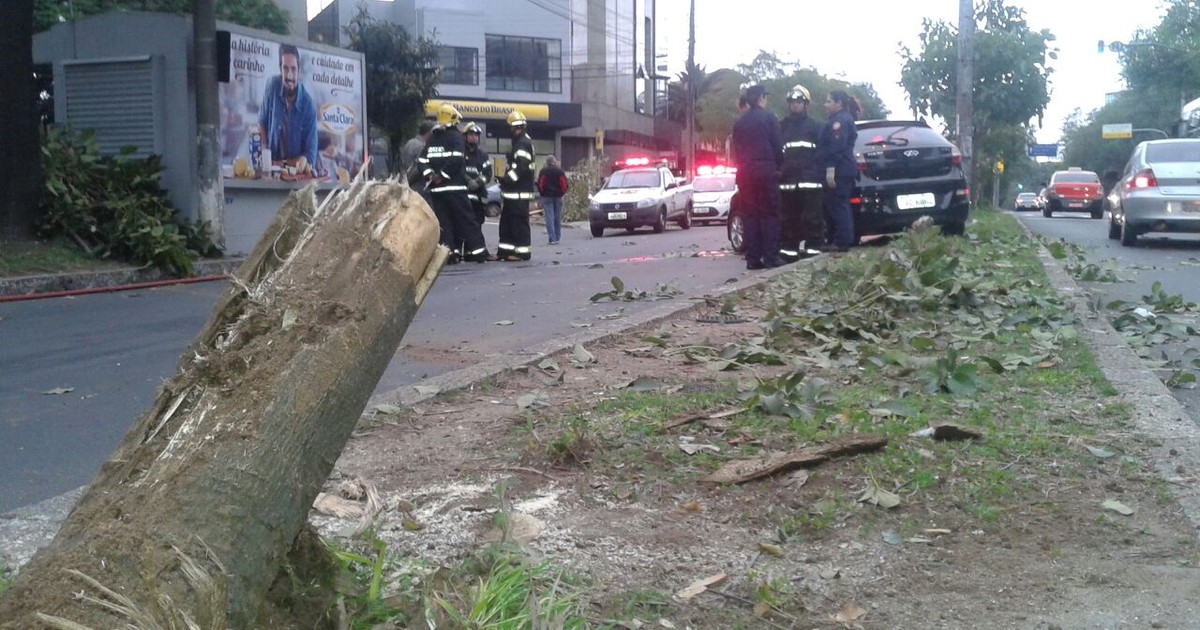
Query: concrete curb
(1157, 415)
(115, 279)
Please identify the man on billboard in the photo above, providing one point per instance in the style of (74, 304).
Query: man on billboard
(289, 116)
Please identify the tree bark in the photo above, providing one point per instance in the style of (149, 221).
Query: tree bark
(221, 472)
(20, 159)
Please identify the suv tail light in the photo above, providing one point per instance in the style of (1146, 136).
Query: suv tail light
(1144, 179)
(955, 156)
(861, 162)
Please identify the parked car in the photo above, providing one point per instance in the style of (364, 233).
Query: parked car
(635, 197)
(712, 192)
(1026, 201)
(1074, 190)
(1159, 191)
(494, 201)
(906, 171)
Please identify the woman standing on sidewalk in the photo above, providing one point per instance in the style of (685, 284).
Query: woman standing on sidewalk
(552, 185)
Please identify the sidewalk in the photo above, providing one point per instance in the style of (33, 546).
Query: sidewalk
(59, 284)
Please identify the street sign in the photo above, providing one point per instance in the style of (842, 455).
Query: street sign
(1116, 132)
(1043, 150)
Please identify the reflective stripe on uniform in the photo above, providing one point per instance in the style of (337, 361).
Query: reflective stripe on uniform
(513, 175)
(800, 186)
(447, 189)
(435, 153)
(505, 246)
(523, 153)
(476, 252)
(473, 197)
(788, 252)
(523, 249)
(517, 195)
(799, 144)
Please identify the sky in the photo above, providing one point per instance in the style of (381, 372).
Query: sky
(859, 41)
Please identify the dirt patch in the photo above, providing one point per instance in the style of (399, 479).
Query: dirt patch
(616, 500)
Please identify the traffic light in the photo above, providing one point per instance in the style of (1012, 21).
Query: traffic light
(1100, 46)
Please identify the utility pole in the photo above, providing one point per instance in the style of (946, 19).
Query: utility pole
(690, 150)
(965, 89)
(211, 190)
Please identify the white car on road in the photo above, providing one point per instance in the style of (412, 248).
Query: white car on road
(712, 191)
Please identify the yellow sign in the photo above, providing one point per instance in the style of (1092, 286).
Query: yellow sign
(1116, 132)
(1000, 166)
(599, 139)
(471, 110)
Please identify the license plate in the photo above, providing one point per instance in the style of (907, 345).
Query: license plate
(617, 216)
(912, 202)
(703, 211)
(1075, 204)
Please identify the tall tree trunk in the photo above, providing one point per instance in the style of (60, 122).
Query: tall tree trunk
(221, 472)
(20, 156)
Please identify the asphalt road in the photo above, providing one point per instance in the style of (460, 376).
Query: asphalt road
(107, 353)
(1173, 261)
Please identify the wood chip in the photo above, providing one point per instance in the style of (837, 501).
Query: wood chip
(699, 586)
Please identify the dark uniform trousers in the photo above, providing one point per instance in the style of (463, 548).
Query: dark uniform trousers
(515, 238)
(758, 192)
(838, 212)
(458, 225)
(802, 218)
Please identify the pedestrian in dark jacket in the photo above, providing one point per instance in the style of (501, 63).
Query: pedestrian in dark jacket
(759, 151)
(836, 151)
(802, 218)
(552, 185)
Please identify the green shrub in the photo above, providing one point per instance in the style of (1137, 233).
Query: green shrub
(113, 206)
(581, 182)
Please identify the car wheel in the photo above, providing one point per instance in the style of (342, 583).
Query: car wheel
(736, 230)
(1114, 230)
(686, 221)
(954, 228)
(1128, 234)
(493, 210)
(660, 224)
(597, 230)
(1097, 214)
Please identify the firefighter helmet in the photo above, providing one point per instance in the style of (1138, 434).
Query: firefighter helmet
(516, 119)
(798, 93)
(472, 127)
(448, 115)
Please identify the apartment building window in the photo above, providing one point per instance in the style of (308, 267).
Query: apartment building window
(459, 66)
(524, 64)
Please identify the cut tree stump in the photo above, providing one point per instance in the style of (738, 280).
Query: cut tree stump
(197, 508)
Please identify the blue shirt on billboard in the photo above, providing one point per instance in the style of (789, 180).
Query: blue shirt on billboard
(291, 131)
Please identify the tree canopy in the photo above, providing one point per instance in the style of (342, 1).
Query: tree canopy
(262, 14)
(401, 74)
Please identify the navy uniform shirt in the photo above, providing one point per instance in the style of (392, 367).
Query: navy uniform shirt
(836, 146)
(756, 141)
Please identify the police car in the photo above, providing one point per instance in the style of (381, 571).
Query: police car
(712, 193)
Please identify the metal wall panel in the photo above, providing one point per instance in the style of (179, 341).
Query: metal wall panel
(116, 98)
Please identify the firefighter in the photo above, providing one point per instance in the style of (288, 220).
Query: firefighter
(802, 223)
(479, 175)
(443, 164)
(759, 151)
(836, 152)
(516, 190)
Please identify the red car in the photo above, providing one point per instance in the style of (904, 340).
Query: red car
(1074, 190)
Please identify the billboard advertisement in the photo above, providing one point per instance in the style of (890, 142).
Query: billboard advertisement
(291, 115)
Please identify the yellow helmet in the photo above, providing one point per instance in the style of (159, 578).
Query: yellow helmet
(448, 115)
(516, 119)
(798, 93)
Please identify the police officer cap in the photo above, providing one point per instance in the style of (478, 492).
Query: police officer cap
(755, 92)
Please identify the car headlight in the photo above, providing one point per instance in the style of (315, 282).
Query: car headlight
(645, 203)
(593, 205)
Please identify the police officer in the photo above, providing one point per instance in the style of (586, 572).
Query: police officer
(836, 150)
(759, 151)
(802, 219)
(516, 191)
(443, 164)
(479, 174)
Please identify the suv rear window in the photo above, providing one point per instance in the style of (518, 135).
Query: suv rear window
(899, 136)
(1074, 177)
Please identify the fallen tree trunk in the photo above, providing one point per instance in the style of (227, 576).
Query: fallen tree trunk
(193, 514)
